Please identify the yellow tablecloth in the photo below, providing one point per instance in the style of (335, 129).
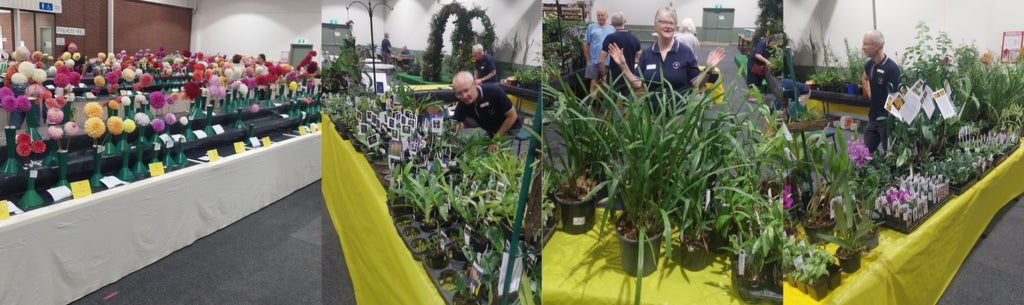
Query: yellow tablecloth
(916, 268)
(585, 270)
(382, 269)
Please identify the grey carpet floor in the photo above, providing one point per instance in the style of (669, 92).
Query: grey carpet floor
(993, 272)
(286, 253)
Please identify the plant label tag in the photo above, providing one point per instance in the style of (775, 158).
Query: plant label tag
(945, 85)
(500, 189)
(911, 107)
(266, 141)
(50, 87)
(100, 149)
(81, 85)
(944, 103)
(798, 261)
(363, 129)
(373, 140)
(156, 169)
(58, 193)
(167, 141)
(743, 261)
(707, 199)
(579, 221)
(33, 173)
(239, 147)
(156, 146)
(283, 116)
(928, 102)
(254, 142)
(199, 134)
(112, 182)
(217, 129)
(786, 133)
(393, 161)
(212, 155)
(893, 104)
(436, 125)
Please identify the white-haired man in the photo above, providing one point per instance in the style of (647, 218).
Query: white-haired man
(687, 36)
(485, 70)
(881, 76)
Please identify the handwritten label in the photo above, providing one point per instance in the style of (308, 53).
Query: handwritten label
(239, 147)
(156, 169)
(80, 189)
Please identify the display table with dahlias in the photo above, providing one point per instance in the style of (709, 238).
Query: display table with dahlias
(916, 268)
(59, 253)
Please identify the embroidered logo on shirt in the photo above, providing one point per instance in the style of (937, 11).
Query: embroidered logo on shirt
(676, 65)
(484, 104)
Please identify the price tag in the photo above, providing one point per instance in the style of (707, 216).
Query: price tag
(239, 147)
(80, 189)
(213, 155)
(254, 142)
(199, 134)
(217, 129)
(302, 130)
(4, 212)
(156, 169)
(266, 141)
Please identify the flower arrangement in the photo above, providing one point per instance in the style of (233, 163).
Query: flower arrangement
(26, 147)
(93, 110)
(157, 100)
(192, 90)
(95, 129)
(99, 81)
(912, 198)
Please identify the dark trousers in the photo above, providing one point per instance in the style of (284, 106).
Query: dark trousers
(875, 135)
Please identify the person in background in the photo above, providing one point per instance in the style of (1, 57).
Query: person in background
(261, 59)
(687, 36)
(486, 106)
(385, 49)
(881, 74)
(405, 58)
(630, 46)
(759, 61)
(666, 65)
(592, 46)
(486, 71)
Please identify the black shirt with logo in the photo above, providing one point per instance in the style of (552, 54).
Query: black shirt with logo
(488, 110)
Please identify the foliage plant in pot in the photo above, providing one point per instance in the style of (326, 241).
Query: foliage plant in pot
(850, 232)
(812, 268)
(833, 168)
(573, 173)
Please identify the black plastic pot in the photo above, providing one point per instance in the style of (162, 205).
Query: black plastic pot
(435, 259)
(817, 290)
(812, 232)
(849, 264)
(750, 290)
(577, 216)
(454, 252)
(694, 255)
(631, 251)
(717, 241)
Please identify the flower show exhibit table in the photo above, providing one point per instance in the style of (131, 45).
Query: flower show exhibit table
(382, 269)
(916, 268)
(59, 253)
(585, 269)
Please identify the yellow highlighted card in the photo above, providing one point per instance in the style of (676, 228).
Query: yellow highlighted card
(80, 189)
(156, 169)
(239, 147)
(266, 141)
(4, 212)
(213, 155)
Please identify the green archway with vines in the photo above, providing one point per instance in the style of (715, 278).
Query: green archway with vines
(462, 39)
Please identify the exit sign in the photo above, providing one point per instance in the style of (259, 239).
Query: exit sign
(334, 21)
(45, 6)
(301, 40)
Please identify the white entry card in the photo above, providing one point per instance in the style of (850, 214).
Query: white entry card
(255, 142)
(945, 105)
(167, 140)
(199, 133)
(112, 182)
(13, 208)
(59, 193)
(910, 109)
(893, 104)
(217, 129)
(928, 102)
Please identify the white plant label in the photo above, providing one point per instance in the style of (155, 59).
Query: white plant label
(910, 109)
(100, 149)
(893, 103)
(743, 260)
(199, 134)
(156, 147)
(928, 102)
(284, 116)
(255, 142)
(217, 129)
(945, 105)
(436, 125)
(786, 133)
(33, 173)
(707, 199)
(60, 192)
(13, 208)
(112, 182)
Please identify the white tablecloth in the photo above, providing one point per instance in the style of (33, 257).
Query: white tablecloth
(59, 253)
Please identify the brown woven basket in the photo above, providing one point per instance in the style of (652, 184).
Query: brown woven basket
(807, 125)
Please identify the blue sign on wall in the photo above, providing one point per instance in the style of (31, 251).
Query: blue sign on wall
(44, 6)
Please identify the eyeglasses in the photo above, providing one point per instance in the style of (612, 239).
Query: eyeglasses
(666, 22)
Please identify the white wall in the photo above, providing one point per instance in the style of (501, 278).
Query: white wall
(409, 24)
(642, 12)
(258, 26)
(981, 22)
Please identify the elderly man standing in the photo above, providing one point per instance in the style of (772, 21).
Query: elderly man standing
(486, 70)
(881, 74)
(629, 44)
(596, 33)
(687, 36)
(385, 49)
(485, 105)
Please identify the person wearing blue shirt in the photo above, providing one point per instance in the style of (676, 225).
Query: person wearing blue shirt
(485, 70)
(385, 49)
(761, 57)
(592, 43)
(881, 75)
(667, 67)
(486, 105)
(630, 46)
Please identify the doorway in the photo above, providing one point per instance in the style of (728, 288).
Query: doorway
(46, 39)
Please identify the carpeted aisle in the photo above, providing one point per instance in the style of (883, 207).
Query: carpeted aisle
(286, 253)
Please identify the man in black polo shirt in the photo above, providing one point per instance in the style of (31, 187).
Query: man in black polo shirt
(630, 46)
(487, 105)
(882, 76)
(486, 71)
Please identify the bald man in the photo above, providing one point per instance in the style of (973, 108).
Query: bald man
(485, 104)
(881, 74)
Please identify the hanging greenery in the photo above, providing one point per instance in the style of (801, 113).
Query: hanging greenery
(769, 21)
(462, 39)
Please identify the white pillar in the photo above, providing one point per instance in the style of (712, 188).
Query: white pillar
(16, 14)
(110, 26)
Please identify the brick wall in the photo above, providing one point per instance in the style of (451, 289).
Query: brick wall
(137, 25)
(146, 25)
(89, 15)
